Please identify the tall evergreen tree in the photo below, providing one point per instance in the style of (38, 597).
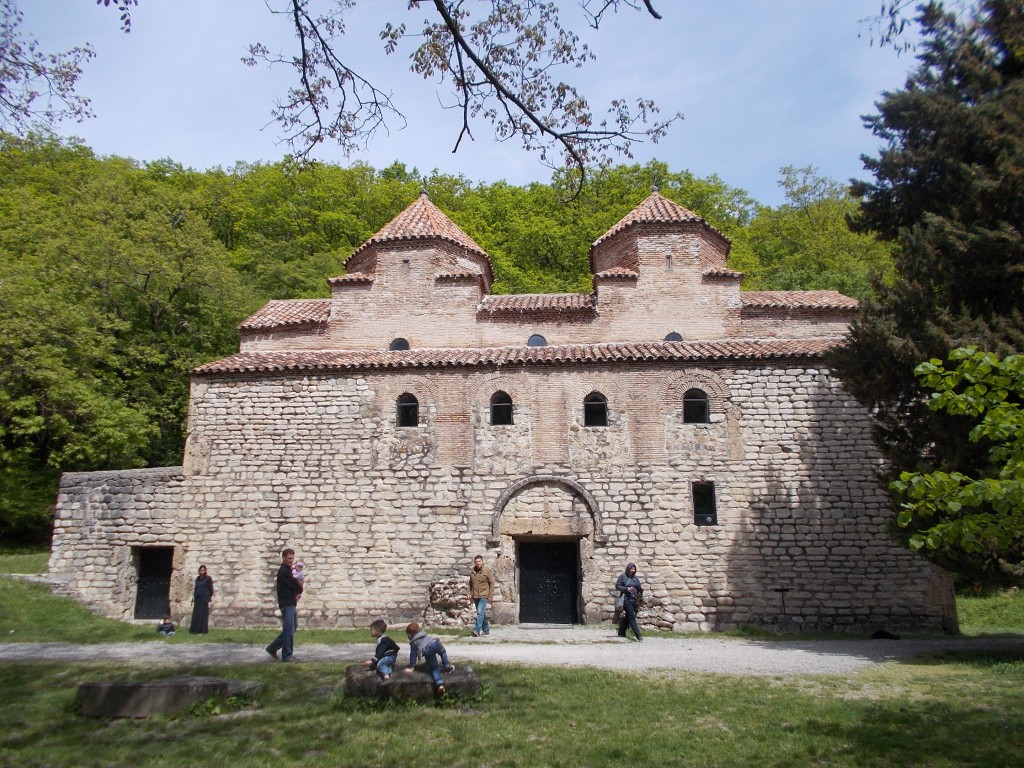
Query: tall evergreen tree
(948, 189)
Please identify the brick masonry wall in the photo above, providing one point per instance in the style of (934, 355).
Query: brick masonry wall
(672, 293)
(794, 324)
(383, 514)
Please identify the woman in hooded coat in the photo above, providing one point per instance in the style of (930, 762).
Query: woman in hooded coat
(630, 588)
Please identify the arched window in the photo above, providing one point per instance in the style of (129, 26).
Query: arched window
(536, 341)
(398, 344)
(407, 410)
(595, 410)
(674, 336)
(501, 408)
(696, 407)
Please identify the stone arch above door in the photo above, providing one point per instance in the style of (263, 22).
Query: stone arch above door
(567, 484)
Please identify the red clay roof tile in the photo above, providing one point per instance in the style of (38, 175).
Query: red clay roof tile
(797, 300)
(722, 272)
(288, 313)
(739, 350)
(459, 275)
(351, 277)
(538, 302)
(421, 220)
(656, 209)
(618, 273)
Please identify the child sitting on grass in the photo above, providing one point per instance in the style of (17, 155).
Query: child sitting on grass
(430, 647)
(386, 653)
(166, 626)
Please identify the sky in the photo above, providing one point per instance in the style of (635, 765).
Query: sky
(761, 83)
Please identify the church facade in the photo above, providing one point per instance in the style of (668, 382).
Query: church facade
(414, 420)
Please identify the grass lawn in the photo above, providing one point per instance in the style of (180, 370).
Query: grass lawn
(952, 710)
(30, 614)
(18, 560)
(940, 712)
(1001, 613)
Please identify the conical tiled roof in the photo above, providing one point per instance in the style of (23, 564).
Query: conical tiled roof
(422, 220)
(656, 209)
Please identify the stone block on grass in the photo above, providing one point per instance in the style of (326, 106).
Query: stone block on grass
(419, 686)
(166, 696)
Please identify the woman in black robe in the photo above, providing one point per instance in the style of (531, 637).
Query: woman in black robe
(202, 594)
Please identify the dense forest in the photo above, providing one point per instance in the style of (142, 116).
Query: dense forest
(118, 277)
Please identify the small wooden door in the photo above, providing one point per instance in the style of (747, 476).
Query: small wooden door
(548, 582)
(153, 597)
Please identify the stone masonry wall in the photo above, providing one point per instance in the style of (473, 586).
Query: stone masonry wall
(384, 515)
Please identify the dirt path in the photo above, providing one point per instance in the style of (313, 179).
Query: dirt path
(559, 646)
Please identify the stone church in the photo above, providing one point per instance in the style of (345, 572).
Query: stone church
(413, 420)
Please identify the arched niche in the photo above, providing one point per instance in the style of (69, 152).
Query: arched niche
(567, 483)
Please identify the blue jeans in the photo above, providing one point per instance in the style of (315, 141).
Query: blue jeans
(430, 653)
(283, 642)
(385, 665)
(482, 627)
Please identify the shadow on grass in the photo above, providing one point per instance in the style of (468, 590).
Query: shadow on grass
(932, 733)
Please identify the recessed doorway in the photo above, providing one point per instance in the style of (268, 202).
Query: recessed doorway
(549, 582)
(154, 565)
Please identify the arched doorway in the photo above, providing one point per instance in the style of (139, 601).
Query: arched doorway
(546, 527)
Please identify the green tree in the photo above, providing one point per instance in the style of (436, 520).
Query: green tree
(950, 511)
(806, 243)
(111, 289)
(949, 191)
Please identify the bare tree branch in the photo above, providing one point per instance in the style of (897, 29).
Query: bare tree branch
(503, 58)
(503, 67)
(504, 93)
(319, 108)
(595, 17)
(37, 88)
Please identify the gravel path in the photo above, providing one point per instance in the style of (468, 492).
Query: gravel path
(558, 646)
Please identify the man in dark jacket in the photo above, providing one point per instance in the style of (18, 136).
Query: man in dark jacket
(288, 590)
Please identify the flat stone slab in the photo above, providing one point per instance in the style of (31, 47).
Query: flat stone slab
(419, 686)
(156, 697)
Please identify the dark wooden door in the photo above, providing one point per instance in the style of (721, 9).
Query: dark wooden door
(152, 599)
(548, 582)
